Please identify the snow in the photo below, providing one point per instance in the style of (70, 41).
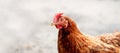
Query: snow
(25, 24)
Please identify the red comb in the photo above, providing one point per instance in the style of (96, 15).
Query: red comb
(58, 15)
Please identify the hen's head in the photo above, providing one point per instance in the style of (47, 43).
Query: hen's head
(60, 21)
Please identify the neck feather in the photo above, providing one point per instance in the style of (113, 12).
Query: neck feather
(72, 27)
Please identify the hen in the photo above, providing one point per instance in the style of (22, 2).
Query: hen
(71, 40)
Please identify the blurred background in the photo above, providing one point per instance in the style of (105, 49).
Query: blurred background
(25, 24)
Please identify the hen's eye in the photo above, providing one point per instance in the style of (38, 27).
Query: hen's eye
(60, 19)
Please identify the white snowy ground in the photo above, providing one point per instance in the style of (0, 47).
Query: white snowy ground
(25, 24)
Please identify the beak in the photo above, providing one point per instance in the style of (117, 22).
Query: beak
(53, 24)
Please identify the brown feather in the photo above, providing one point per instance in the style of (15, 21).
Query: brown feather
(111, 38)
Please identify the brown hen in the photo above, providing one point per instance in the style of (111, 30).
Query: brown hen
(71, 40)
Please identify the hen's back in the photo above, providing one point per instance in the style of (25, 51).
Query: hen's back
(111, 38)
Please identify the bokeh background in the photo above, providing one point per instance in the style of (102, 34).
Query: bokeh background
(25, 24)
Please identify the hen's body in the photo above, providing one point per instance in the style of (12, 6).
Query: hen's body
(71, 40)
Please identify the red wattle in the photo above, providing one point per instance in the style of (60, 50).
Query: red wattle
(58, 26)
